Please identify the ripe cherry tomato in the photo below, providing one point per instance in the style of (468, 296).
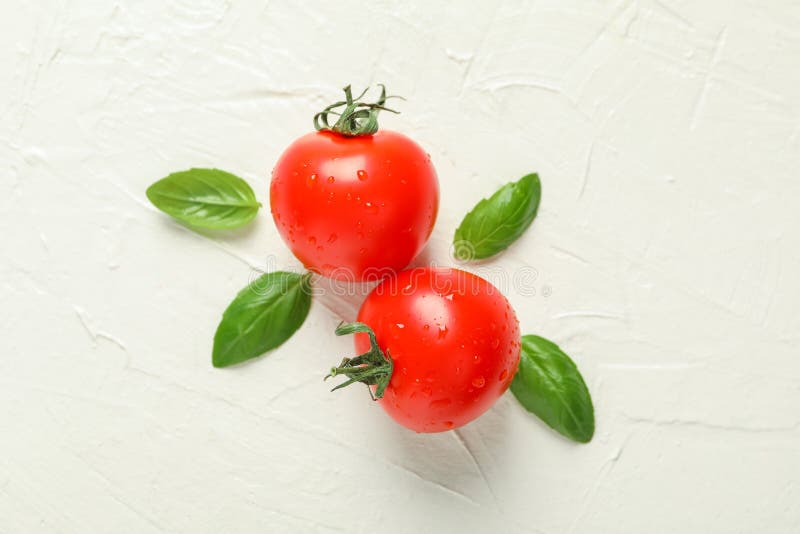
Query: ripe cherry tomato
(454, 341)
(354, 208)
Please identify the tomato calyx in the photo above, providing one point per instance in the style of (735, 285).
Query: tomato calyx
(373, 368)
(357, 118)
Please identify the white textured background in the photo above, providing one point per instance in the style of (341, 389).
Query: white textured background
(667, 135)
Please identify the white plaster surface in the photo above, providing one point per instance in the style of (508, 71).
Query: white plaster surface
(667, 136)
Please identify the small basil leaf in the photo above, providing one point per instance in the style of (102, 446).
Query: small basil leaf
(207, 198)
(262, 316)
(549, 385)
(496, 222)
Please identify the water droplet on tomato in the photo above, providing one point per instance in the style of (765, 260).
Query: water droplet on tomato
(440, 403)
(495, 343)
(403, 181)
(312, 240)
(476, 358)
(312, 180)
(442, 331)
(503, 375)
(362, 175)
(362, 251)
(479, 382)
(331, 179)
(349, 196)
(370, 207)
(319, 248)
(332, 238)
(449, 424)
(427, 391)
(400, 325)
(426, 327)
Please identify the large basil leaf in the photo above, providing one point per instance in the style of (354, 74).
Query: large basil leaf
(207, 198)
(262, 316)
(496, 222)
(549, 384)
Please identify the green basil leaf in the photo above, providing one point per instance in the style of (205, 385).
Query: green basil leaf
(262, 316)
(207, 198)
(549, 385)
(496, 222)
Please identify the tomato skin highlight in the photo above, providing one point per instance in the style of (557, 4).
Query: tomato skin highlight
(354, 208)
(454, 340)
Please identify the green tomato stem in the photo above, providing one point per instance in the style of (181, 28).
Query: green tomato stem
(357, 118)
(373, 368)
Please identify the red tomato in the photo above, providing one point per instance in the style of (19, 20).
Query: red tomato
(354, 208)
(454, 340)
